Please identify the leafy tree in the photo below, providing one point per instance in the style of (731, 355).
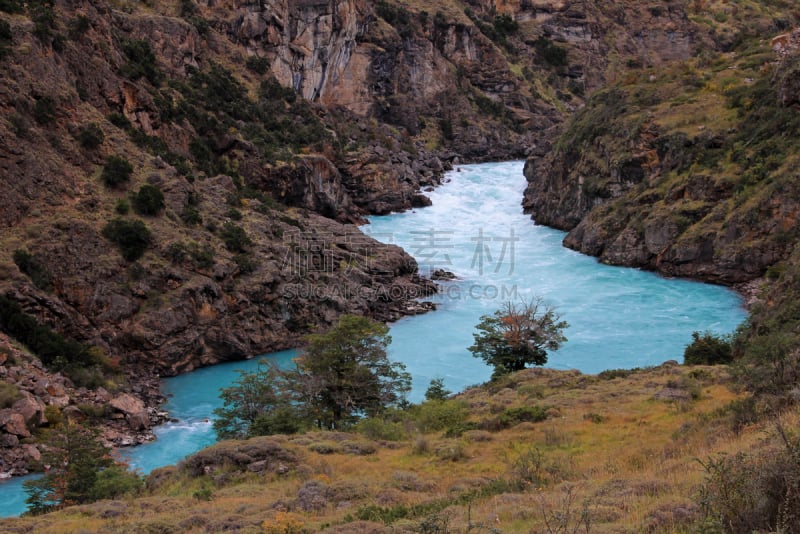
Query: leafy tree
(131, 236)
(252, 396)
(707, 349)
(518, 335)
(342, 374)
(345, 373)
(80, 471)
(149, 200)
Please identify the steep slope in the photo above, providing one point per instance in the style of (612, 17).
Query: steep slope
(176, 175)
(688, 169)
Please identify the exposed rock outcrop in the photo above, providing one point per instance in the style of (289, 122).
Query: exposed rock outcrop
(709, 199)
(33, 395)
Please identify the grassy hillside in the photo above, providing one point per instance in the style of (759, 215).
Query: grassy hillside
(539, 451)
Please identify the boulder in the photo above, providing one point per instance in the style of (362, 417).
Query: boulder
(31, 453)
(15, 424)
(139, 420)
(127, 404)
(31, 410)
(8, 440)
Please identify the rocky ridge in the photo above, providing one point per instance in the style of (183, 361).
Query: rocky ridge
(687, 169)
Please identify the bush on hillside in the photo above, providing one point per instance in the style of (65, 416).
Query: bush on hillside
(708, 349)
(131, 236)
(149, 200)
(117, 171)
(91, 136)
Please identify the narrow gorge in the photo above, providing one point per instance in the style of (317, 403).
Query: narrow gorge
(174, 172)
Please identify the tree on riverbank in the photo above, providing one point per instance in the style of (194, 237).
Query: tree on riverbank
(79, 469)
(518, 335)
(342, 375)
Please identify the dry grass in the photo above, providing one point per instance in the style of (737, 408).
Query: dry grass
(611, 451)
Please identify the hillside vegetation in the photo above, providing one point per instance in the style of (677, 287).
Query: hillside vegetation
(175, 172)
(656, 450)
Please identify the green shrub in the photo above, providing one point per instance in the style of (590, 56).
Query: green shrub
(529, 466)
(116, 171)
(141, 61)
(43, 15)
(505, 25)
(281, 420)
(446, 126)
(708, 349)
(34, 268)
(12, 6)
(202, 256)
(551, 53)
(456, 430)
(176, 252)
(78, 26)
(119, 120)
(437, 415)
(756, 492)
(377, 428)
(6, 37)
(149, 200)
(191, 216)
(593, 417)
(257, 64)
(513, 416)
(245, 262)
(54, 350)
(234, 237)
(114, 482)
(531, 414)
(611, 374)
(122, 207)
(131, 236)
(203, 494)
(324, 447)
(451, 452)
(44, 110)
(91, 136)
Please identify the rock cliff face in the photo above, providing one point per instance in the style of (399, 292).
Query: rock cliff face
(680, 168)
(268, 128)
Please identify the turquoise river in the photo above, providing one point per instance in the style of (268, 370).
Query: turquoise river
(619, 317)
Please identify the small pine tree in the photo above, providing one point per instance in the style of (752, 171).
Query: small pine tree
(436, 390)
